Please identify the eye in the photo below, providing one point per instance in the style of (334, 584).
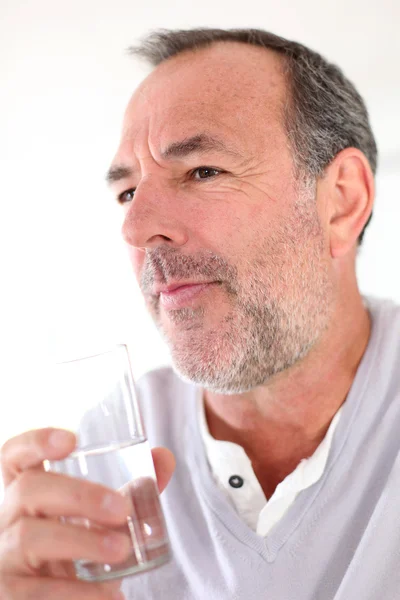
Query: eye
(126, 196)
(205, 173)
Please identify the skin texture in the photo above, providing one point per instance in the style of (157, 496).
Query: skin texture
(276, 341)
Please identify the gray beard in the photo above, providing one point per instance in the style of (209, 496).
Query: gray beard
(254, 343)
(276, 316)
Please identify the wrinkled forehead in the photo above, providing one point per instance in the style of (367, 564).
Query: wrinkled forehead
(235, 88)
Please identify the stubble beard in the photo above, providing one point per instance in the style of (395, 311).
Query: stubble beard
(279, 308)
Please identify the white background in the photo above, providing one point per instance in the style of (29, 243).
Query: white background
(65, 80)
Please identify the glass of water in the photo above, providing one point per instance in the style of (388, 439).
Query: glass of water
(95, 397)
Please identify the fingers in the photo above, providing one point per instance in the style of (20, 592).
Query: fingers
(164, 464)
(33, 545)
(40, 588)
(30, 542)
(31, 448)
(36, 493)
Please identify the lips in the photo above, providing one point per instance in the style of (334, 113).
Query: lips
(180, 295)
(171, 287)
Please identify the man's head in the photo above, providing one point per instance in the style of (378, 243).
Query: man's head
(236, 184)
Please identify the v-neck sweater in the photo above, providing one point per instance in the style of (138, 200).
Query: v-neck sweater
(339, 540)
(234, 474)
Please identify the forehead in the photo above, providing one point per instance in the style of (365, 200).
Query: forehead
(232, 87)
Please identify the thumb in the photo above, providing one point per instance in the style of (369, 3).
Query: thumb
(164, 464)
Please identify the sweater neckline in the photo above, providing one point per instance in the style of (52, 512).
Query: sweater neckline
(216, 500)
(228, 460)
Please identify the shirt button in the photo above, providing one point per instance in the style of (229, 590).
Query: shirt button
(236, 481)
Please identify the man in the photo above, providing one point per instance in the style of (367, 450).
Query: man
(246, 174)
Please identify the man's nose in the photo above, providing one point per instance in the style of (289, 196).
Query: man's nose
(154, 217)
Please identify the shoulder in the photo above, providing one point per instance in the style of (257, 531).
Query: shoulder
(164, 400)
(161, 386)
(385, 316)
(383, 353)
(156, 378)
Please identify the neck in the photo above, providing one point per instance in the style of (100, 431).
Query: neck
(285, 420)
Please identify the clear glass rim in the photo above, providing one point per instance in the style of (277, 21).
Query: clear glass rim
(109, 350)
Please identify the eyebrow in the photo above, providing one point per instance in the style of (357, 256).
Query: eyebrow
(118, 172)
(197, 144)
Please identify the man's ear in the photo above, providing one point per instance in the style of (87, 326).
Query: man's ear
(350, 182)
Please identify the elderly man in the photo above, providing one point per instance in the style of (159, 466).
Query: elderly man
(246, 177)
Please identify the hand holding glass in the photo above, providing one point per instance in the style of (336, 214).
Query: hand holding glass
(96, 399)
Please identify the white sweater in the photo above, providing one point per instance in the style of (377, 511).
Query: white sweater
(339, 540)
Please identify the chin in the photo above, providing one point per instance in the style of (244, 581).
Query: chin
(218, 383)
(215, 371)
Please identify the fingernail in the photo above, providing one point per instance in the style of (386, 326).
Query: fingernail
(114, 503)
(59, 438)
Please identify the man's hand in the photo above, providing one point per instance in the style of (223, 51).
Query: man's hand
(36, 548)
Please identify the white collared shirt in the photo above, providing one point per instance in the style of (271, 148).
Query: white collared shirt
(234, 475)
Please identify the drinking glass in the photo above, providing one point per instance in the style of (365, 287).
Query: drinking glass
(95, 397)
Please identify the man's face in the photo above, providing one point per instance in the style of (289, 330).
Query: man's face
(218, 211)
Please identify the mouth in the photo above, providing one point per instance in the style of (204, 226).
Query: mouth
(182, 295)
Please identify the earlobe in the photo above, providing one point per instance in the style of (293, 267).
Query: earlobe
(351, 199)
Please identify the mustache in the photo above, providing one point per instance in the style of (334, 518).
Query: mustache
(164, 264)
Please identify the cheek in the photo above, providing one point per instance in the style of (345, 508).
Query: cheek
(136, 258)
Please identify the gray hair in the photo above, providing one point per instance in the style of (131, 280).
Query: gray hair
(325, 113)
